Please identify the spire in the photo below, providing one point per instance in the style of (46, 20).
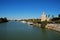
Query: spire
(43, 13)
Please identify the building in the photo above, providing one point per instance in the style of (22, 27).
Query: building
(44, 18)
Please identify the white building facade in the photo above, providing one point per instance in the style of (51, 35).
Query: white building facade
(43, 17)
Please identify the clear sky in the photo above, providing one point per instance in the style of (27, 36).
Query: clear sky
(23, 9)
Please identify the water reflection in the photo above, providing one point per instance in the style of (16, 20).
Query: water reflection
(18, 31)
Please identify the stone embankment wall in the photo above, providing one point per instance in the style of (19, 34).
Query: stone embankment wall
(55, 27)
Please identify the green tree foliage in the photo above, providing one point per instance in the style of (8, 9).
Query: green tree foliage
(43, 24)
(59, 15)
(3, 20)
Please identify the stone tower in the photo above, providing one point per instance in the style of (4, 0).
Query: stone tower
(43, 17)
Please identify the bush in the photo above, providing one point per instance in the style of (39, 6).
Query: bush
(43, 24)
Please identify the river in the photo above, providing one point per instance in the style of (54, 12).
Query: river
(13, 30)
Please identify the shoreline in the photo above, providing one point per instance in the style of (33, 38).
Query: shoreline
(55, 27)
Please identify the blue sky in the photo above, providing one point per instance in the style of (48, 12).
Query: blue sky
(25, 9)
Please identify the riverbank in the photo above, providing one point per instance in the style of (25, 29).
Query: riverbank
(54, 26)
(2, 20)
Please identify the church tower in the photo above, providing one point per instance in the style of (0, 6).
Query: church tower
(43, 17)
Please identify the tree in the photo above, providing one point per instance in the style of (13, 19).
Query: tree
(43, 24)
(52, 16)
(59, 15)
(48, 16)
(5, 19)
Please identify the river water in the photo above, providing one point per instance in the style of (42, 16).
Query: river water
(13, 30)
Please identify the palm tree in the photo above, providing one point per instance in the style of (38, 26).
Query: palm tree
(48, 16)
(52, 16)
(59, 15)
